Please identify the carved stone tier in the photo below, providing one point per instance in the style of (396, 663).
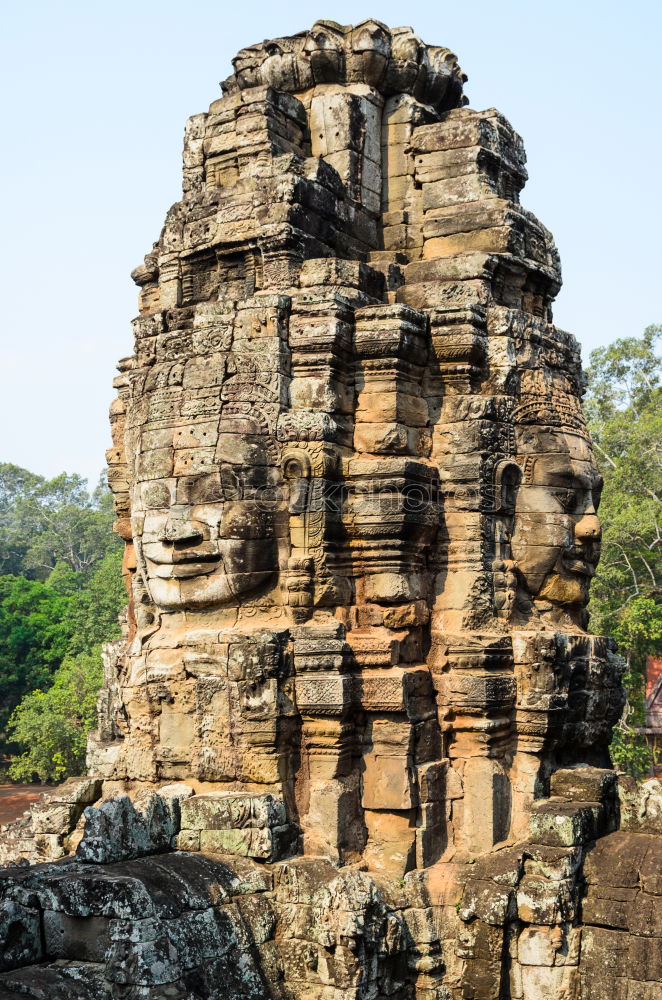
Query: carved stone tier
(358, 498)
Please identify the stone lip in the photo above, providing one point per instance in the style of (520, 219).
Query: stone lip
(120, 829)
(582, 783)
(244, 824)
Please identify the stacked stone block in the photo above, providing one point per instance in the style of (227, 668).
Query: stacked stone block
(358, 499)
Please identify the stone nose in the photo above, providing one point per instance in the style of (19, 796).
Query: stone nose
(180, 529)
(588, 528)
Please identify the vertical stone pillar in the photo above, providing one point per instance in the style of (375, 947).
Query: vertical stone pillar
(475, 688)
(345, 131)
(391, 506)
(327, 790)
(402, 207)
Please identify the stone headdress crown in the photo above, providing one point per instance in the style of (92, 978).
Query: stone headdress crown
(546, 403)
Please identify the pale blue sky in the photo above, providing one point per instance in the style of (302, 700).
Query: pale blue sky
(94, 99)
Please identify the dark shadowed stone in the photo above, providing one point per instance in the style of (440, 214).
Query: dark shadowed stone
(66, 981)
(583, 783)
(20, 939)
(120, 828)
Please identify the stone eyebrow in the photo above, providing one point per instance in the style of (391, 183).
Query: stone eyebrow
(566, 477)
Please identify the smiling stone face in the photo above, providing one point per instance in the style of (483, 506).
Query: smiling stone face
(556, 538)
(209, 538)
(352, 471)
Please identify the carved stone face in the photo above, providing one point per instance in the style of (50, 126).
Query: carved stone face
(209, 539)
(556, 537)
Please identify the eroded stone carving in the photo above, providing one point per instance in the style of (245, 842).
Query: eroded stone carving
(359, 504)
(351, 446)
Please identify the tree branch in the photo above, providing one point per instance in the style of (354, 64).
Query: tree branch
(605, 455)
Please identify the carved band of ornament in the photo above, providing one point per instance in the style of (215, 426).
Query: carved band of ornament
(473, 664)
(253, 610)
(255, 421)
(473, 315)
(379, 694)
(263, 388)
(537, 415)
(372, 659)
(320, 639)
(471, 658)
(333, 695)
(457, 375)
(323, 695)
(391, 316)
(394, 61)
(306, 425)
(469, 353)
(327, 657)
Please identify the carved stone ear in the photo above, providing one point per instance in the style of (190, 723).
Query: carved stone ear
(296, 473)
(299, 580)
(507, 479)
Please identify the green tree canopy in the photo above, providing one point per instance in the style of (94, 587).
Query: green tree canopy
(33, 639)
(59, 603)
(46, 522)
(63, 523)
(15, 484)
(91, 615)
(53, 725)
(624, 406)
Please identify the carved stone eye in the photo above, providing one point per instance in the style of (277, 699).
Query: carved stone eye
(567, 499)
(206, 489)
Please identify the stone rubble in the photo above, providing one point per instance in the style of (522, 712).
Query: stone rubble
(354, 744)
(46, 831)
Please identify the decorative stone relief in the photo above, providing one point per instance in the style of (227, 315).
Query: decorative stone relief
(357, 695)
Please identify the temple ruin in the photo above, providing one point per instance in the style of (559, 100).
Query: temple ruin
(355, 742)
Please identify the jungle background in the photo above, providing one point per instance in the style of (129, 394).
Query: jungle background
(61, 588)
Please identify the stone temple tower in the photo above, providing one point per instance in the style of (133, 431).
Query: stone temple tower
(359, 498)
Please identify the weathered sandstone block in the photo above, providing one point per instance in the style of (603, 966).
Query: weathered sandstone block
(354, 742)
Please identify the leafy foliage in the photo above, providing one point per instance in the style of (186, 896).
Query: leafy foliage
(46, 522)
(629, 750)
(60, 603)
(54, 724)
(91, 616)
(33, 639)
(624, 407)
(64, 580)
(15, 484)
